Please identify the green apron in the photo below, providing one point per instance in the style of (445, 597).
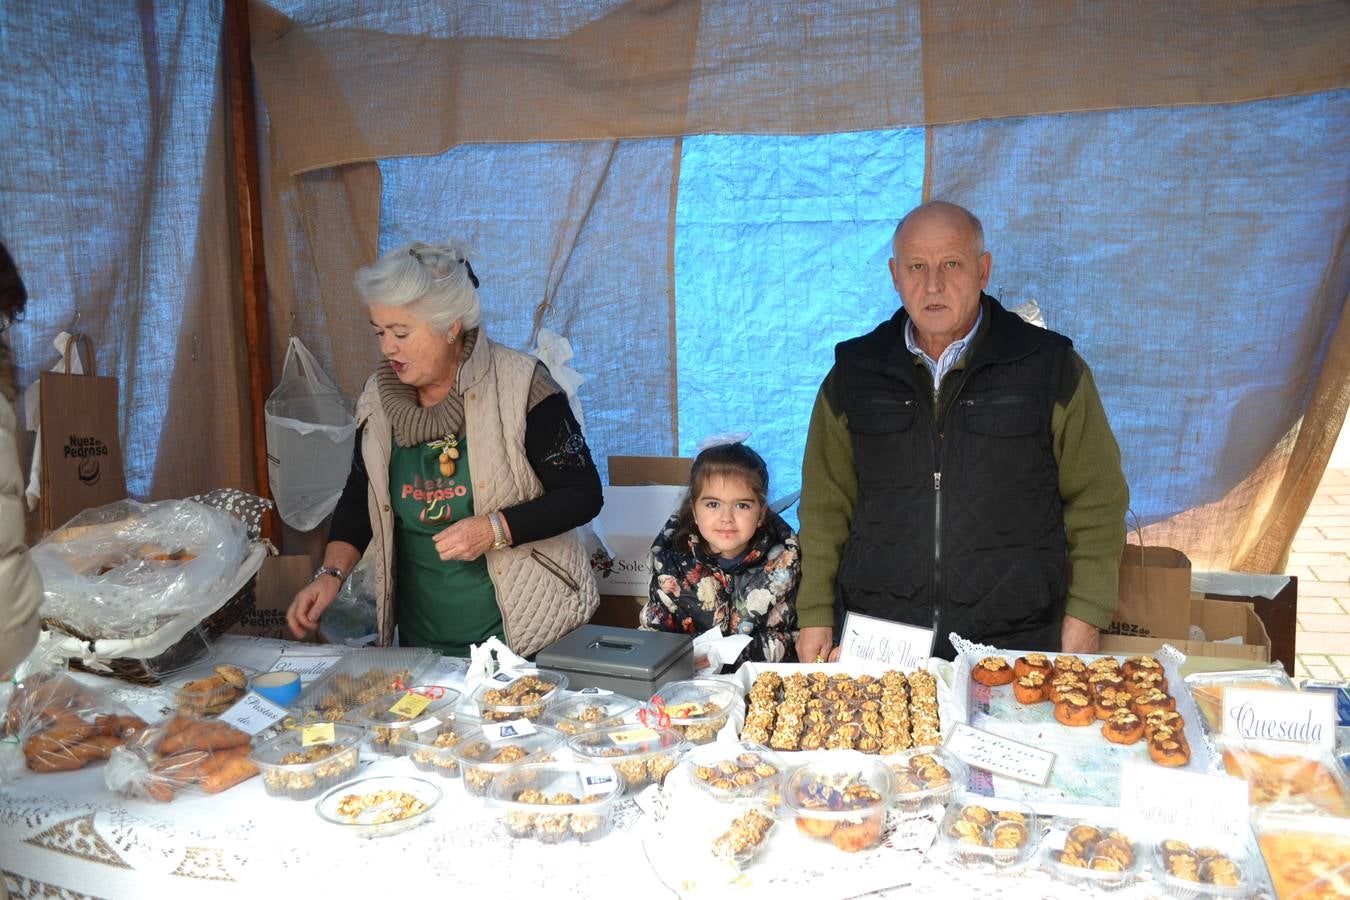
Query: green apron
(443, 605)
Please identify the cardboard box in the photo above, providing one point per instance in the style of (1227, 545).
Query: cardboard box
(279, 579)
(1218, 619)
(642, 493)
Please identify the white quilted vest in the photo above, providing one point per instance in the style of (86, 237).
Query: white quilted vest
(545, 588)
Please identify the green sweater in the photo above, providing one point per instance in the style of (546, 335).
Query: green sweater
(1091, 486)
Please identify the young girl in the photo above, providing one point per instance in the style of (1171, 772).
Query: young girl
(725, 560)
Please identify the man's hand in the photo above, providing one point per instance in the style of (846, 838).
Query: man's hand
(1078, 636)
(814, 644)
(465, 540)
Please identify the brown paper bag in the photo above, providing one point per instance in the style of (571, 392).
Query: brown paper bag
(81, 444)
(1154, 597)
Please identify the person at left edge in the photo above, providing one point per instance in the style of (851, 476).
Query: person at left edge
(469, 479)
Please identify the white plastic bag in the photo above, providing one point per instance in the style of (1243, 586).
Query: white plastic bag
(311, 428)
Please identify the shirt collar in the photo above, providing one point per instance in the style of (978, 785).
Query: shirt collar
(950, 356)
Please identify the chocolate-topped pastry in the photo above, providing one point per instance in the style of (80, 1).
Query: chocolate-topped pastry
(1123, 727)
(1075, 708)
(1037, 662)
(993, 671)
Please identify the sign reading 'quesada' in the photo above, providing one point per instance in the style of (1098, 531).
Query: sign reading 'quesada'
(1296, 716)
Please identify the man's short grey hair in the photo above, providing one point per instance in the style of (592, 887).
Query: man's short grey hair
(431, 280)
(976, 228)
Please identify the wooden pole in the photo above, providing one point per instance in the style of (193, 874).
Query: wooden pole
(244, 151)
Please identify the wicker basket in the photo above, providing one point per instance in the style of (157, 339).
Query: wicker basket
(188, 648)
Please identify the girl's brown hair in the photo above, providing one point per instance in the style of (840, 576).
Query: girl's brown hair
(721, 461)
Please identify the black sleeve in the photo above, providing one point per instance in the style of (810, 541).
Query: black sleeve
(558, 454)
(351, 516)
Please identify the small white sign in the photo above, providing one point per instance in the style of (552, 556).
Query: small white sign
(1000, 755)
(505, 678)
(1301, 717)
(595, 692)
(1178, 803)
(308, 667)
(425, 725)
(253, 713)
(892, 644)
(505, 731)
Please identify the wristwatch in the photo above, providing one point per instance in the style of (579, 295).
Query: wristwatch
(327, 570)
(498, 532)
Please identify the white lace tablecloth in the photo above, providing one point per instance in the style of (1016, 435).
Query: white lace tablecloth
(66, 835)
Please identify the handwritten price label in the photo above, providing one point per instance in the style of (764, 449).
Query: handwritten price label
(634, 736)
(317, 734)
(999, 755)
(1176, 802)
(410, 705)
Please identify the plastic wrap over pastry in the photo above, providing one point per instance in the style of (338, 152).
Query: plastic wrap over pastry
(61, 725)
(179, 753)
(123, 570)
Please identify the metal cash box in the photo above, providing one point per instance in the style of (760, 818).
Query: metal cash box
(623, 660)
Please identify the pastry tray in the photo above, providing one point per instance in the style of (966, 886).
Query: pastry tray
(361, 676)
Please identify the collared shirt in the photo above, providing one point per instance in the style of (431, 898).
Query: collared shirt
(950, 356)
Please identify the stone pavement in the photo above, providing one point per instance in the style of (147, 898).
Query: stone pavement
(1320, 557)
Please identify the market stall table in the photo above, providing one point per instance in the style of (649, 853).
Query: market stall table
(67, 835)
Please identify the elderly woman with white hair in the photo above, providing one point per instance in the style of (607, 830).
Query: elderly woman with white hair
(469, 479)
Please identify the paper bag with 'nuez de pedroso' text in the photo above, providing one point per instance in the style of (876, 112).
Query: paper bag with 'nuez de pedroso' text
(81, 445)
(1154, 597)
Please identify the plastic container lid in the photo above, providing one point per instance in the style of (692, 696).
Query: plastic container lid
(926, 775)
(290, 769)
(395, 715)
(589, 712)
(380, 805)
(1175, 862)
(642, 755)
(842, 798)
(698, 707)
(553, 802)
(482, 760)
(979, 831)
(519, 695)
(1091, 855)
(735, 770)
(433, 749)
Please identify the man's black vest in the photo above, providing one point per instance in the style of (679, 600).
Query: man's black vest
(960, 530)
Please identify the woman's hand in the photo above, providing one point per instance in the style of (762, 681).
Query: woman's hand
(303, 616)
(465, 540)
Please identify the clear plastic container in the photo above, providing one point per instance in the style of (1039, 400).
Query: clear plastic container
(736, 770)
(697, 708)
(1192, 870)
(211, 693)
(387, 728)
(642, 755)
(979, 832)
(1288, 777)
(589, 712)
(526, 695)
(926, 775)
(380, 805)
(841, 798)
(1207, 690)
(744, 837)
(432, 749)
(1307, 856)
(360, 677)
(481, 761)
(556, 802)
(290, 769)
(1092, 855)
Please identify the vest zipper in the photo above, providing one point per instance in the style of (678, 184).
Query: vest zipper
(937, 544)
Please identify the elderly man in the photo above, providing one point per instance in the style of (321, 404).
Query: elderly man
(960, 473)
